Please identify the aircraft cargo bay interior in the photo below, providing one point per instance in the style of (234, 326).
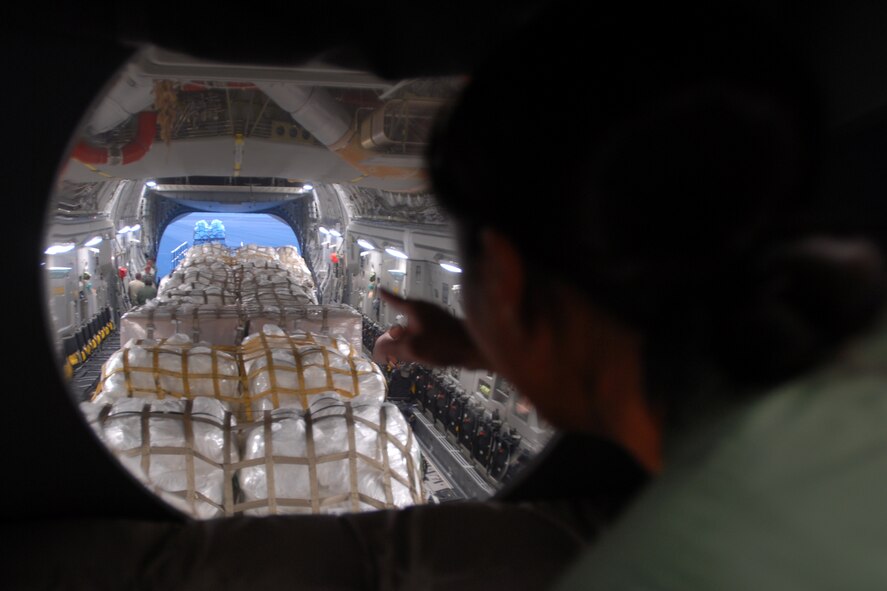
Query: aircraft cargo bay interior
(233, 343)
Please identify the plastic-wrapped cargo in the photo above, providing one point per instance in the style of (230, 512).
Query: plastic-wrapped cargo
(295, 264)
(274, 284)
(199, 294)
(219, 251)
(254, 252)
(183, 450)
(287, 370)
(278, 294)
(338, 457)
(223, 325)
(173, 367)
(336, 320)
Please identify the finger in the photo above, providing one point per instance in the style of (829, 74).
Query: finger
(396, 331)
(408, 307)
(385, 348)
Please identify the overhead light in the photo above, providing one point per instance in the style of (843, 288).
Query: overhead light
(135, 228)
(123, 230)
(151, 184)
(93, 241)
(323, 230)
(366, 252)
(59, 268)
(308, 187)
(336, 233)
(365, 244)
(95, 250)
(396, 253)
(451, 267)
(59, 248)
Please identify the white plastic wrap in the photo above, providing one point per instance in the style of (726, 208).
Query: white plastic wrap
(276, 294)
(216, 324)
(196, 293)
(306, 365)
(378, 487)
(295, 264)
(203, 251)
(254, 252)
(194, 483)
(336, 320)
(172, 367)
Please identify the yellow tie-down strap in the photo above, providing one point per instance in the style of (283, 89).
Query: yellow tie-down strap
(148, 451)
(171, 373)
(275, 502)
(264, 346)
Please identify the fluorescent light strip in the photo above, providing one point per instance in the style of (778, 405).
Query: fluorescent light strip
(365, 244)
(59, 248)
(396, 253)
(93, 241)
(451, 268)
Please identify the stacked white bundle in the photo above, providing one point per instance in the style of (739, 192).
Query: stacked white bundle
(285, 371)
(196, 293)
(278, 294)
(211, 250)
(172, 367)
(254, 252)
(200, 279)
(178, 448)
(159, 319)
(272, 285)
(338, 321)
(295, 264)
(352, 458)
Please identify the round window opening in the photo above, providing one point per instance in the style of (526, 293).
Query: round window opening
(214, 255)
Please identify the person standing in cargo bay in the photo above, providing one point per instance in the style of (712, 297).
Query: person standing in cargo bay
(147, 292)
(134, 286)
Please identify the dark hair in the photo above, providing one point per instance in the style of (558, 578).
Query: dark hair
(671, 188)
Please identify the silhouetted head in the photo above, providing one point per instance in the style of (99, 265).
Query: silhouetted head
(670, 187)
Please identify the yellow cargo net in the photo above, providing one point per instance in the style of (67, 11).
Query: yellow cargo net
(159, 370)
(313, 365)
(330, 370)
(194, 462)
(271, 461)
(228, 499)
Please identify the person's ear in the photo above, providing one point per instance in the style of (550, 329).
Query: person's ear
(505, 276)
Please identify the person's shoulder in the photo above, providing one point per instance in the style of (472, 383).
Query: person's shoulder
(787, 492)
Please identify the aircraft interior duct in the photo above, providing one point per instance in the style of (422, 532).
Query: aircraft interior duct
(315, 109)
(328, 121)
